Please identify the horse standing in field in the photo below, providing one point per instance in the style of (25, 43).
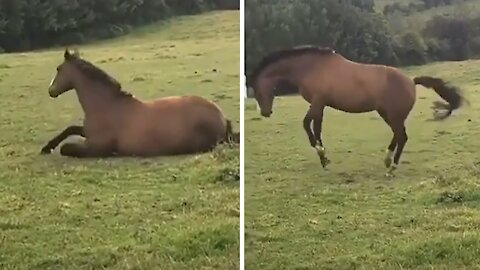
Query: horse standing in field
(116, 123)
(325, 78)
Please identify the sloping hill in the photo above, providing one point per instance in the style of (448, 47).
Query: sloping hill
(168, 213)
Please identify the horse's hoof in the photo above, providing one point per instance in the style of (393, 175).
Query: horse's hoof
(390, 172)
(325, 161)
(388, 158)
(45, 151)
(388, 162)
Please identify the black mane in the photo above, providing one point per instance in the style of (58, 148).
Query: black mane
(286, 53)
(95, 73)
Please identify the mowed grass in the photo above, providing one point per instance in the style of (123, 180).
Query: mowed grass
(122, 213)
(299, 216)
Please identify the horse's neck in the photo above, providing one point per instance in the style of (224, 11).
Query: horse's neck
(293, 70)
(94, 98)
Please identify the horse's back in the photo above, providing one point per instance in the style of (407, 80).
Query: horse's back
(387, 86)
(357, 87)
(189, 108)
(350, 86)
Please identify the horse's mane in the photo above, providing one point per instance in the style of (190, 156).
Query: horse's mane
(286, 53)
(95, 73)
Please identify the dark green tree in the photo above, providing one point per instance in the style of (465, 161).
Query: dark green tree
(30, 24)
(353, 30)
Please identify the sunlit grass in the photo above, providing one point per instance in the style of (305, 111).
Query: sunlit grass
(161, 213)
(299, 216)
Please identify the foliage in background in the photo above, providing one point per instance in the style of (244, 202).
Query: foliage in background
(360, 32)
(434, 30)
(352, 29)
(31, 24)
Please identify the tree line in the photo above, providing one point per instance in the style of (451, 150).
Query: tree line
(32, 24)
(421, 5)
(354, 29)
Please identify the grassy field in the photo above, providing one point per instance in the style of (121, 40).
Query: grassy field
(299, 216)
(162, 213)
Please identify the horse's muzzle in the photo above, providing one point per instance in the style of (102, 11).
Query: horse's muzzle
(52, 92)
(266, 114)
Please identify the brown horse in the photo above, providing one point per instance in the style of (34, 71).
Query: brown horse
(116, 123)
(325, 78)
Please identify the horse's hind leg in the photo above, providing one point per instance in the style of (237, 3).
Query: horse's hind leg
(206, 138)
(399, 141)
(401, 137)
(83, 150)
(393, 143)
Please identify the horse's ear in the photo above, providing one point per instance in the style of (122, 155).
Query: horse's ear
(67, 54)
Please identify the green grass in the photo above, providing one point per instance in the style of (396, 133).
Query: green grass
(126, 213)
(299, 216)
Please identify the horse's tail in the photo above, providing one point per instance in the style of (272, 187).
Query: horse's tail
(230, 135)
(451, 94)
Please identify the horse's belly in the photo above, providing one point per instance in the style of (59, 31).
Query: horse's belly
(354, 102)
(167, 139)
(354, 108)
(150, 142)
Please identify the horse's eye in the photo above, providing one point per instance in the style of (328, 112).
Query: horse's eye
(58, 68)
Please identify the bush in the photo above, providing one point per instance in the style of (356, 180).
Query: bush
(31, 24)
(455, 32)
(411, 49)
(352, 30)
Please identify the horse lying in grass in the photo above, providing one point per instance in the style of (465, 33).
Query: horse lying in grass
(325, 78)
(117, 123)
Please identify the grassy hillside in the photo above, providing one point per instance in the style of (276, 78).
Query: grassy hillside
(128, 213)
(299, 216)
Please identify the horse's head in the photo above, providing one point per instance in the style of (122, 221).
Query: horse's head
(263, 93)
(63, 80)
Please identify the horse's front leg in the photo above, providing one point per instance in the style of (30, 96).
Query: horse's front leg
(69, 131)
(85, 150)
(317, 130)
(315, 114)
(307, 125)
